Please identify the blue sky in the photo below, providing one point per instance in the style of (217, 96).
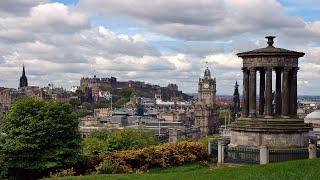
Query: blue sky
(158, 41)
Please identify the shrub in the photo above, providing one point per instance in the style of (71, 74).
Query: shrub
(105, 167)
(62, 173)
(168, 154)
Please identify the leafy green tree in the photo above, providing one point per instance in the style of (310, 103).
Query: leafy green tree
(120, 102)
(224, 114)
(41, 136)
(204, 140)
(3, 161)
(108, 139)
(74, 102)
(102, 104)
(81, 113)
(87, 106)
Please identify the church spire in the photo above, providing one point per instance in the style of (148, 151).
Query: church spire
(23, 79)
(23, 71)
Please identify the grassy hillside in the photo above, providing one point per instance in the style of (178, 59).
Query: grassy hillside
(303, 169)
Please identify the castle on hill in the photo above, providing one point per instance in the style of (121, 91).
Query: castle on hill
(111, 84)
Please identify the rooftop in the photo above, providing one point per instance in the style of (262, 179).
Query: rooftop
(270, 50)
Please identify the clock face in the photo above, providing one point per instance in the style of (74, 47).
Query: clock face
(205, 85)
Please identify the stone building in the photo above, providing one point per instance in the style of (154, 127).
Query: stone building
(7, 95)
(205, 110)
(184, 133)
(173, 116)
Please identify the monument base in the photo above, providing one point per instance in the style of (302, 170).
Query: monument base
(273, 133)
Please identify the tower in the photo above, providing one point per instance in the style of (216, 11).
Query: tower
(23, 79)
(207, 89)
(236, 101)
(206, 115)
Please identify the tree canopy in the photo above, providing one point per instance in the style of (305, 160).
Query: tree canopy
(40, 135)
(108, 139)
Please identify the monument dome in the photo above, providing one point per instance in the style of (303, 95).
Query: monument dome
(313, 116)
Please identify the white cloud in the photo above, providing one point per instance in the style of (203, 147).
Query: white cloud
(225, 60)
(58, 45)
(204, 20)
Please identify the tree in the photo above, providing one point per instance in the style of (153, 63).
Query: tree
(3, 161)
(225, 113)
(74, 102)
(108, 139)
(40, 136)
(87, 106)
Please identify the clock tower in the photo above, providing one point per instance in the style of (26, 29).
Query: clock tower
(206, 114)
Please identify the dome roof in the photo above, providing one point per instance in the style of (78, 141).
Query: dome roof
(270, 50)
(313, 116)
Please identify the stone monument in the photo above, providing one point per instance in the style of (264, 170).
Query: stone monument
(274, 123)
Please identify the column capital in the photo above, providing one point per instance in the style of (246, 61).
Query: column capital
(268, 69)
(286, 69)
(252, 69)
(295, 69)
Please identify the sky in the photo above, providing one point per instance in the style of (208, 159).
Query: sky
(158, 41)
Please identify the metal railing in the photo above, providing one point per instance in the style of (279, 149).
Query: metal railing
(241, 155)
(279, 155)
(318, 152)
(214, 151)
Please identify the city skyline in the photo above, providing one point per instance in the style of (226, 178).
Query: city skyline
(159, 42)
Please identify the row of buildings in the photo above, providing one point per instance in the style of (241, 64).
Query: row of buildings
(170, 120)
(8, 95)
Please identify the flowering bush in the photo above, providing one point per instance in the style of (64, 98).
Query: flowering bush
(62, 173)
(168, 154)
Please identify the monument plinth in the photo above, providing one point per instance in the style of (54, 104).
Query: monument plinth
(274, 123)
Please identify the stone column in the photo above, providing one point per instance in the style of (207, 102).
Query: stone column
(268, 113)
(264, 155)
(253, 93)
(262, 89)
(245, 95)
(285, 93)
(221, 144)
(210, 142)
(278, 104)
(312, 151)
(293, 93)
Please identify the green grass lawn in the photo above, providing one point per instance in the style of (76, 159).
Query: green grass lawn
(303, 169)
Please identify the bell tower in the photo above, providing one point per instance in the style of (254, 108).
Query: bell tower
(207, 89)
(206, 114)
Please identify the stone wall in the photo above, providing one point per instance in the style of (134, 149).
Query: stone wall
(257, 139)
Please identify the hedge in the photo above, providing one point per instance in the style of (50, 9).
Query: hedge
(165, 155)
